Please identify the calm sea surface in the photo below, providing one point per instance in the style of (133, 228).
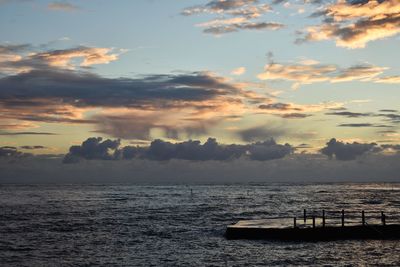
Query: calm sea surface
(128, 225)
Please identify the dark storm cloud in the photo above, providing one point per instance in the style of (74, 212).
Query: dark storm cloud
(159, 150)
(93, 148)
(83, 89)
(193, 150)
(347, 151)
(269, 150)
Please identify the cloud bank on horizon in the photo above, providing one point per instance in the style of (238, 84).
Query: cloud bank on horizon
(103, 161)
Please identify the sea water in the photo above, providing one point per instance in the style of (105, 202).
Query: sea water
(183, 225)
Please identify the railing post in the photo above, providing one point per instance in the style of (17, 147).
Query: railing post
(342, 218)
(323, 218)
(383, 218)
(305, 215)
(363, 218)
(313, 221)
(294, 222)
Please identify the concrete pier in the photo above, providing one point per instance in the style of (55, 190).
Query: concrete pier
(316, 229)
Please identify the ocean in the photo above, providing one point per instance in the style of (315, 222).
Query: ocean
(182, 225)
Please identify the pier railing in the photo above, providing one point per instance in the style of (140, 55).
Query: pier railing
(343, 218)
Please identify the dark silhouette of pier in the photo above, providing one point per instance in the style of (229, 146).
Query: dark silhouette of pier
(336, 226)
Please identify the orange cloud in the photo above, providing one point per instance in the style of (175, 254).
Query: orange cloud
(242, 15)
(353, 25)
(308, 72)
(238, 71)
(12, 62)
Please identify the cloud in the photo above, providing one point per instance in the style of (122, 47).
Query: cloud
(388, 80)
(84, 89)
(221, 6)
(96, 149)
(395, 118)
(93, 148)
(25, 133)
(291, 110)
(174, 124)
(234, 27)
(349, 114)
(306, 73)
(269, 150)
(104, 161)
(11, 152)
(354, 24)
(233, 16)
(62, 6)
(303, 146)
(238, 71)
(192, 100)
(390, 115)
(362, 72)
(395, 148)
(14, 48)
(389, 110)
(53, 87)
(295, 115)
(280, 107)
(193, 150)
(14, 59)
(358, 125)
(263, 132)
(32, 147)
(346, 151)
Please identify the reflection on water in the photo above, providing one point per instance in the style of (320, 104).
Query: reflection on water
(170, 226)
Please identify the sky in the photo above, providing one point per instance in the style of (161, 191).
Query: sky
(199, 80)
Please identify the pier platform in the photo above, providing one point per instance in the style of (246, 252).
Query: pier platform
(314, 229)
